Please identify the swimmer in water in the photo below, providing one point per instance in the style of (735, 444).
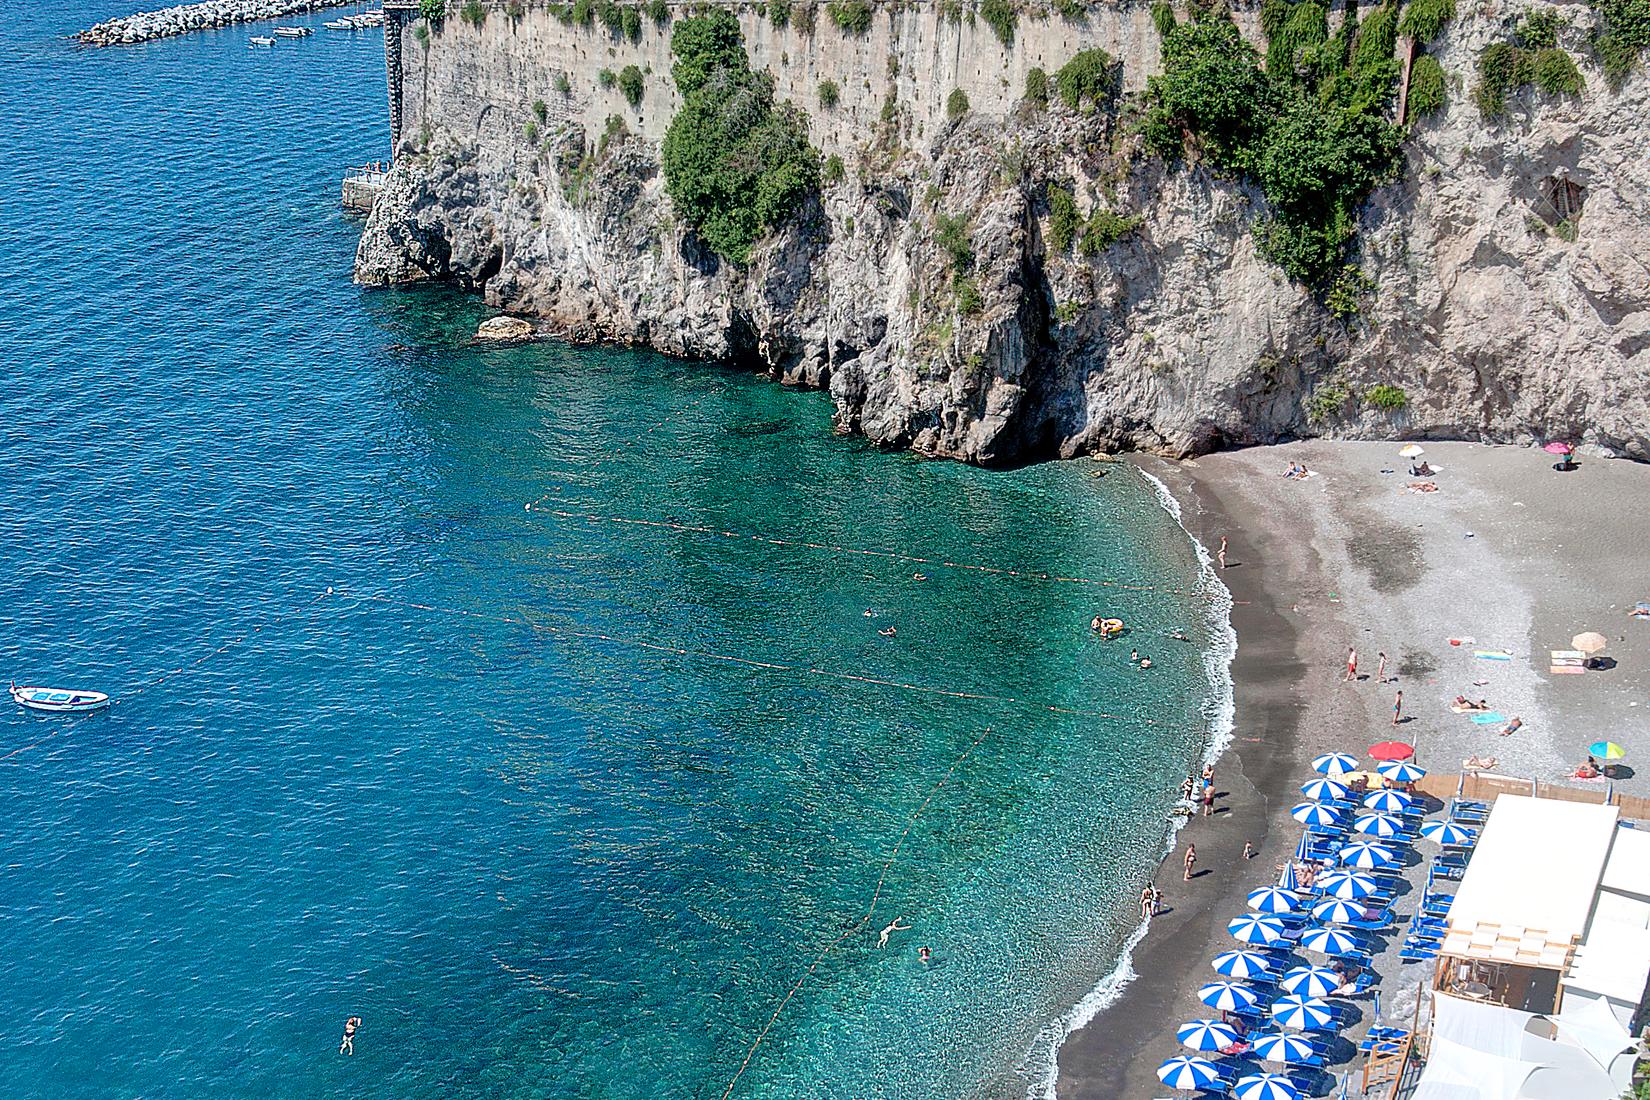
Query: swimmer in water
(924, 955)
(347, 1044)
(888, 632)
(895, 926)
(1146, 663)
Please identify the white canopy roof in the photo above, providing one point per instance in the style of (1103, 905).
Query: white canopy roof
(1628, 871)
(1614, 960)
(1536, 867)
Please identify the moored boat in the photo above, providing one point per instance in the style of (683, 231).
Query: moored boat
(260, 40)
(293, 32)
(58, 700)
(339, 25)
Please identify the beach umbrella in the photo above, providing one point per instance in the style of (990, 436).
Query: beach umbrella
(1378, 825)
(1400, 771)
(1323, 790)
(1606, 750)
(1280, 1046)
(1448, 833)
(1311, 981)
(1557, 448)
(1302, 1012)
(1329, 941)
(1250, 928)
(1391, 750)
(1188, 1073)
(1589, 643)
(1206, 1035)
(1336, 911)
(1334, 763)
(1228, 996)
(1411, 451)
(1351, 885)
(1286, 879)
(1314, 813)
(1265, 1086)
(1242, 964)
(1389, 801)
(1273, 899)
(1362, 853)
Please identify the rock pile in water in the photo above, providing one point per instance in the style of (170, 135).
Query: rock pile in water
(148, 25)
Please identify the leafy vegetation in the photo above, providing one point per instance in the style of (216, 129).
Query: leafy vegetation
(1532, 57)
(1104, 229)
(630, 83)
(1037, 87)
(1090, 75)
(630, 19)
(804, 18)
(1426, 86)
(736, 164)
(779, 12)
(829, 94)
(1313, 136)
(530, 130)
(563, 84)
(1063, 219)
(1002, 17)
(1621, 34)
(658, 11)
(1388, 398)
(473, 13)
(1327, 402)
(607, 78)
(853, 16)
(1423, 19)
(952, 235)
(541, 110)
(432, 10)
(835, 170)
(956, 104)
(1071, 9)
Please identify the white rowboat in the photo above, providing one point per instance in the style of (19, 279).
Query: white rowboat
(338, 25)
(293, 32)
(260, 40)
(58, 700)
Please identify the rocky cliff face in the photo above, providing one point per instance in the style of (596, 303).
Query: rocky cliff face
(927, 288)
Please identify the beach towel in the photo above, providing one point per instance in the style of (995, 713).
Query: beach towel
(1492, 654)
(1488, 718)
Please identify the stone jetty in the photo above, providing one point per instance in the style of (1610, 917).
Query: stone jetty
(148, 25)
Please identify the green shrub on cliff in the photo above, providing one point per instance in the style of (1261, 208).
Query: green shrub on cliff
(1163, 18)
(1002, 17)
(1621, 34)
(829, 94)
(835, 170)
(1037, 87)
(736, 165)
(1426, 86)
(607, 78)
(473, 13)
(1089, 76)
(432, 10)
(853, 16)
(631, 20)
(1532, 57)
(1063, 219)
(1104, 229)
(956, 104)
(1423, 19)
(1387, 398)
(658, 11)
(779, 12)
(630, 83)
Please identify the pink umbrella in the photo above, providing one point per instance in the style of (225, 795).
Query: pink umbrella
(1558, 448)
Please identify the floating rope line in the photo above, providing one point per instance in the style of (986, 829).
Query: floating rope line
(746, 662)
(876, 895)
(616, 452)
(890, 555)
(26, 748)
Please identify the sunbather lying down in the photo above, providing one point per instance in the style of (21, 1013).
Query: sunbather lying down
(1463, 705)
(1476, 763)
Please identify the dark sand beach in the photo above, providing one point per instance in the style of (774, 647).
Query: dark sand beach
(1507, 552)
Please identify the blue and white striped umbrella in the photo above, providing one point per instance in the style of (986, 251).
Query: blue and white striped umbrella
(1265, 1086)
(1310, 981)
(1448, 833)
(1242, 964)
(1253, 928)
(1401, 771)
(1205, 1035)
(1302, 1012)
(1336, 911)
(1389, 801)
(1362, 853)
(1378, 825)
(1228, 996)
(1188, 1073)
(1329, 941)
(1280, 1046)
(1323, 790)
(1314, 813)
(1335, 763)
(1351, 885)
(1287, 880)
(1273, 899)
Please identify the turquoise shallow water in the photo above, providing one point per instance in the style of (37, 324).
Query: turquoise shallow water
(536, 861)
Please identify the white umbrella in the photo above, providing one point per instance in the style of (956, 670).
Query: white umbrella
(1388, 801)
(1314, 813)
(1367, 855)
(1265, 1086)
(1242, 964)
(1448, 833)
(1206, 1035)
(1228, 996)
(1250, 928)
(1188, 1073)
(1281, 1046)
(1378, 825)
(1273, 899)
(1310, 981)
(1401, 771)
(1329, 941)
(1352, 885)
(1413, 450)
(1336, 911)
(1334, 763)
(1324, 790)
(1302, 1013)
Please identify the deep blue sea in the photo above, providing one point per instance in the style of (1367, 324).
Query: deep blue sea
(561, 806)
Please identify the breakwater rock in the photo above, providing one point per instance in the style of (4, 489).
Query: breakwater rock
(146, 26)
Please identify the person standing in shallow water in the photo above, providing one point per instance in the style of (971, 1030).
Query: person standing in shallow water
(1220, 555)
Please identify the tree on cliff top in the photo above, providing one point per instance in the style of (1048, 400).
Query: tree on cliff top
(736, 165)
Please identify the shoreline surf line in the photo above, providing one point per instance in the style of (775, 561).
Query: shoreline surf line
(876, 895)
(1042, 1063)
(748, 662)
(892, 555)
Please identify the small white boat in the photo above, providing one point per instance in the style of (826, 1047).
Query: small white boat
(58, 700)
(368, 19)
(259, 40)
(293, 32)
(338, 25)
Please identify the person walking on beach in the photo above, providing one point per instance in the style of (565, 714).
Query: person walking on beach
(347, 1044)
(1248, 849)
(1351, 664)
(1380, 668)
(1398, 708)
(1191, 858)
(1209, 800)
(1146, 906)
(1221, 554)
(895, 926)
